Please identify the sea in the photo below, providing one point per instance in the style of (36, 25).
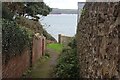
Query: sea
(65, 24)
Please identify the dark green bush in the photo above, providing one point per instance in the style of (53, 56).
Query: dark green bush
(67, 66)
(14, 38)
(47, 55)
(72, 44)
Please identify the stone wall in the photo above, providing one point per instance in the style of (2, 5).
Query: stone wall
(62, 39)
(98, 40)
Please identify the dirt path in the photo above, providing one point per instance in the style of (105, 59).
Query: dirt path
(45, 68)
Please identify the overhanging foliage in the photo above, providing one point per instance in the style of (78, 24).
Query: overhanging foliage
(14, 38)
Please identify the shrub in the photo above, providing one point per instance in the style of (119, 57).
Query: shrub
(67, 66)
(83, 11)
(47, 55)
(72, 44)
(14, 38)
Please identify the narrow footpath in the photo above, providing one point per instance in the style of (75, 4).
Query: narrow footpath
(45, 66)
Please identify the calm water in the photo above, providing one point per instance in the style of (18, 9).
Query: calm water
(60, 24)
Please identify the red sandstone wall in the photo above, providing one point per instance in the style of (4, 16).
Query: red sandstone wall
(43, 45)
(49, 41)
(16, 65)
(38, 48)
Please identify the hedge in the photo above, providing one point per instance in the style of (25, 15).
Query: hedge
(67, 66)
(14, 38)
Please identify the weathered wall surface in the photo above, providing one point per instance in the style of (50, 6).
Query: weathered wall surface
(38, 49)
(64, 39)
(16, 65)
(98, 37)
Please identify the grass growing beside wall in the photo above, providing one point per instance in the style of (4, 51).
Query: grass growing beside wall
(57, 47)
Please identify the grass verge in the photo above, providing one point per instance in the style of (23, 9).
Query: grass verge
(57, 47)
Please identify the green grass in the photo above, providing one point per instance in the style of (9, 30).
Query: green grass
(57, 47)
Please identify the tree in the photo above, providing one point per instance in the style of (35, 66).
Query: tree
(35, 8)
(6, 13)
(25, 8)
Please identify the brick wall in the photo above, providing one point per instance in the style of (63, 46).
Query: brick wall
(16, 65)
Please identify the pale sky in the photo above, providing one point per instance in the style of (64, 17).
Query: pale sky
(63, 4)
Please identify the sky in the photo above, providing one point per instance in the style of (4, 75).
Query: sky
(63, 4)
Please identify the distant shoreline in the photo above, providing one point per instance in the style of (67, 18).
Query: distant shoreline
(64, 11)
(60, 24)
(61, 14)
